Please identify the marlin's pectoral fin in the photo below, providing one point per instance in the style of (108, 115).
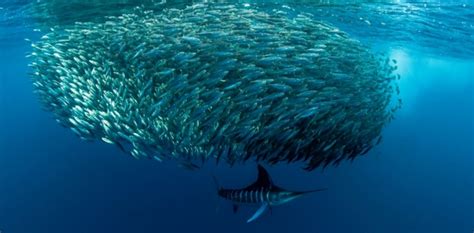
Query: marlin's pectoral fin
(258, 213)
(235, 208)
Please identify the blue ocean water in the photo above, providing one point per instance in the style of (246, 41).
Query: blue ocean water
(419, 179)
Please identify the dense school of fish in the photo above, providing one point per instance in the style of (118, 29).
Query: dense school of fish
(211, 81)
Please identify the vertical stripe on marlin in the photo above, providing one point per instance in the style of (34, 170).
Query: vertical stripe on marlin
(256, 196)
(261, 195)
(251, 196)
(240, 195)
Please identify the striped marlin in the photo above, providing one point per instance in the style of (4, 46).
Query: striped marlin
(262, 192)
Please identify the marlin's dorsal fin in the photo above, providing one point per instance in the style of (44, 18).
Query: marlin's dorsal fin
(263, 179)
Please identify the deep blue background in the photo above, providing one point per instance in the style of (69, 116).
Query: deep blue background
(420, 179)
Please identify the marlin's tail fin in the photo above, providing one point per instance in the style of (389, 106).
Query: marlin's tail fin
(218, 188)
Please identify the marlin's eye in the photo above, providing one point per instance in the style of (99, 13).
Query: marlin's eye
(275, 197)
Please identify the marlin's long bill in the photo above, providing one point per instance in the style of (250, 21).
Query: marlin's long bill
(312, 191)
